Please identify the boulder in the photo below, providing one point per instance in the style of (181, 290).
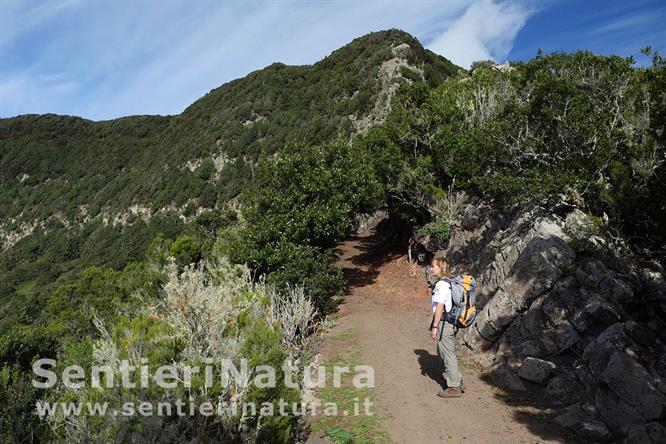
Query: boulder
(634, 385)
(584, 374)
(537, 268)
(504, 377)
(471, 217)
(582, 321)
(582, 418)
(600, 350)
(601, 310)
(564, 385)
(532, 323)
(536, 370)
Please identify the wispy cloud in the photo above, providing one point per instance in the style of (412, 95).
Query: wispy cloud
(485, 31)
(630, 21)
(21, 17)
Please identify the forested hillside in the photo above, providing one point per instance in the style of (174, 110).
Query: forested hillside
(77, 193)
(211, 233)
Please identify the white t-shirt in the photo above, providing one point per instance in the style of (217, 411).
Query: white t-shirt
(442, 295)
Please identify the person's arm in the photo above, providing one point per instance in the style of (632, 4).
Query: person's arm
(439, 310)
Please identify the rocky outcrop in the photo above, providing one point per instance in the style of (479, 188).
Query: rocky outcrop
(390, 76)
(365, 224)
(586, 327)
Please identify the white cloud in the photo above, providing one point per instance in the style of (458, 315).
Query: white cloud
(485, 31)
(626, 22)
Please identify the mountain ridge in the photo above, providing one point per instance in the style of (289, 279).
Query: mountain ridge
(87, 181)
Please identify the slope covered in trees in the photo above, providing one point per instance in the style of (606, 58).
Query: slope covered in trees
(78, 193)
(583, 130)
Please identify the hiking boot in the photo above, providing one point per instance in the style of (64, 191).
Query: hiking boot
(451, 392)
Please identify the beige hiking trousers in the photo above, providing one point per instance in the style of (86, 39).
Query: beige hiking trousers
(446, 348)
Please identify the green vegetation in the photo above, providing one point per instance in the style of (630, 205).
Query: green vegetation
(61, 168)
(345, 427)
(265, 173)
(586, 128)
(299, 206)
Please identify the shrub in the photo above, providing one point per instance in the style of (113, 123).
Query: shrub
(215, 311)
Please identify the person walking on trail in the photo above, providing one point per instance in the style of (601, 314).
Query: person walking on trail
(443, 331)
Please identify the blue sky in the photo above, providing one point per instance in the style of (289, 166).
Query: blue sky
(106, 59)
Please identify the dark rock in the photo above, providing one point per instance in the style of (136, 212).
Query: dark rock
(591, 274)
(582, 418)
(651, 433)
(536, 370)
(634, 385)
(579, 347)
(601, 310)
(536, 347)
(582, 321)
(639, 333)
(615, 290)
(566, 335)
(538, 266)
(503, 376)
(471, 217)
(533, 321)
(660, 384)
(563, 385)
(660, 364)
(597, 311)
(561, 301)
(584, 374)
(619, 416)
(600, 350)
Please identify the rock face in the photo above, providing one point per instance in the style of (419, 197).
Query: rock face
(587, 329)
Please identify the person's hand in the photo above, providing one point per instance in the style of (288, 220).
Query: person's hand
(433, 333)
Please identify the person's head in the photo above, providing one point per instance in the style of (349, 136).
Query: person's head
(440, 267)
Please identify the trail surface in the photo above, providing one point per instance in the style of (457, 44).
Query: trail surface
(386, 311)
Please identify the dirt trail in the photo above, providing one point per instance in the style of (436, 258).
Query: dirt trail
(386, 311)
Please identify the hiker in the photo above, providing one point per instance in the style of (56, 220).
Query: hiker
(443, 331)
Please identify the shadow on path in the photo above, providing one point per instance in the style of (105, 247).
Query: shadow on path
(371, 252)
(431, 366)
